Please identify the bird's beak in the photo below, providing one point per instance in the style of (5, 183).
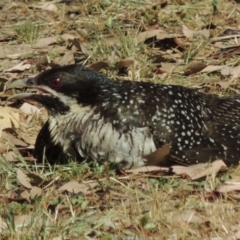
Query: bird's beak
(21, 83)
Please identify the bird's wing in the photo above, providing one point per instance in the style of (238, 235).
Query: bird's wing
(220, 133)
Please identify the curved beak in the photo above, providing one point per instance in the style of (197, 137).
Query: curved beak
(20, 83)
(20, 96)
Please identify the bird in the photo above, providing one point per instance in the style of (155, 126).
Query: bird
(103, 119)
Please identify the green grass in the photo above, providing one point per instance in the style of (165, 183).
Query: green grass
(28, 32)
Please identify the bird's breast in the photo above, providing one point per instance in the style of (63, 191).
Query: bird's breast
(96, 137)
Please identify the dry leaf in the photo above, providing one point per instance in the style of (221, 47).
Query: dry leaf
(75, 42)
(237, 235)
(141, 37)
(235, 71)
(163, 35)
(145, 169)
(229, 188)
(44, 42)
(157, 157)
(67, 59)
(3, 146)
(189, 216)
(86, 48)
(28, 139)
(97, 66)
(48, 6)
(75, 187)
(23, 179)
(200, 170)
(10, 156)
(9, 117)
(126, 63)
(20, 67)
(35, 192)
(29, 108)
(194, 67)
(168, 67)
(224, 85)
(42, 61)
(212, 68)
(26, 195)
(188, 33)
(226, 71)
(14, 56)
(12, 139)
(22, 221)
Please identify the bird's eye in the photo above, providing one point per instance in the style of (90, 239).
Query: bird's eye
(56, 82)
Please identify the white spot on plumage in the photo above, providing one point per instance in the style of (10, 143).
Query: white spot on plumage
(136, 112)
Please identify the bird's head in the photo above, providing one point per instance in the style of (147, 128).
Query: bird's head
(61, 87)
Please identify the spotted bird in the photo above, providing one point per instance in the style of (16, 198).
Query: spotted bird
(124, 121)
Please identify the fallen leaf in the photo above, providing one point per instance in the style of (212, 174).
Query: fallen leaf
(212, 68)
(12, 139)
(188, 33)
(10, 156)
(9, 117)
(229, 188)
(26, 195)
(75, 43)
(194, 67)
(14, 56)
(141, 37)
(97, 66)
(20, 67)
(146, 169)
(67, 59)
(226, 71)
(168, 67)
(126, 63)
(224, 85)
(237, 234)
(189, 216)
(235, 71)
(86, 48)
(157, 157)
(23, 179)
(48, 6)
(42, 61)
(28, 139)
(75, 187)
(227, 52)
(200, 170)
(29, 108)
(44, 42)
(3, 146)
(35, 192)
(163, 35)
(22, 220)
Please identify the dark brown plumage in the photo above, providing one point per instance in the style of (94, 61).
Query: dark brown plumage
(122, 121)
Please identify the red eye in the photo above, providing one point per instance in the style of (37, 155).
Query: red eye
(56, 82)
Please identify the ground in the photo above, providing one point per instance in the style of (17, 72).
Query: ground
(191, 43)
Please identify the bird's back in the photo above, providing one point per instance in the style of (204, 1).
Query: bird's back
(199, 127)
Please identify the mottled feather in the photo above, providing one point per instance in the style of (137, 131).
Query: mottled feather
(122, 121)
